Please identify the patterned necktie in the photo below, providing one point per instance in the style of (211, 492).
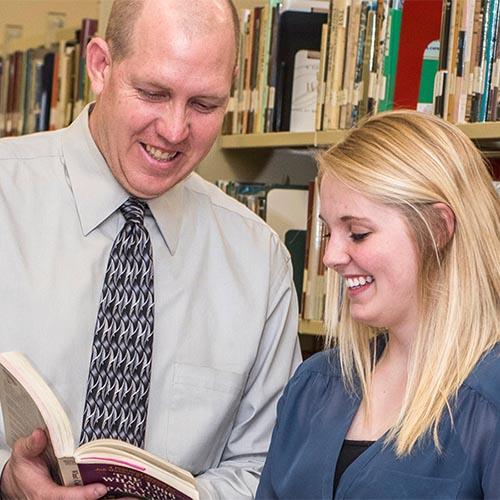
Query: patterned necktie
(120, 367)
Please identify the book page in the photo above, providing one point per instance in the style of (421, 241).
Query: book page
(21, 414)
(117, 448)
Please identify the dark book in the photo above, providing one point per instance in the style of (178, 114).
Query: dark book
(296, 31)
(46, 75)
(295, 241)
(272, 71)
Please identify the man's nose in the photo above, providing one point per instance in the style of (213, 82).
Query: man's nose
(173, 125)
(336, 254)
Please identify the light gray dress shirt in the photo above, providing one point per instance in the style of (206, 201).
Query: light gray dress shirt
(225, 339)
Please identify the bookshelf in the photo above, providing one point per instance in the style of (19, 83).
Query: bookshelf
(311, 327)
(486, 131)
(339, 100)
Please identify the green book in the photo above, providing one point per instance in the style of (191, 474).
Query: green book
(391, 58)
(430, 66)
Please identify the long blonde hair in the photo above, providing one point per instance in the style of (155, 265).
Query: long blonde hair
(411, 161)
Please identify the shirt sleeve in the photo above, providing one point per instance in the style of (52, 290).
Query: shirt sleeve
(238, 473)
(265, 490)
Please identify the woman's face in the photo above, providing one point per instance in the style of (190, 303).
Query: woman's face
(370, 247)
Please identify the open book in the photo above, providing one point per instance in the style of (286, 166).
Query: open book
(28, 403)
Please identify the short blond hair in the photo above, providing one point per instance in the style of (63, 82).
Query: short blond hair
(411, 161)
(122, 20)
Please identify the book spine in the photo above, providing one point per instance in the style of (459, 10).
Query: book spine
(390, 59)
(68, 471)
(491, 20)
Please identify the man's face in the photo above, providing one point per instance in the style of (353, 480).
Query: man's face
(161, 108)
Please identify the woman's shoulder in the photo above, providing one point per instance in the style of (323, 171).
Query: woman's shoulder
(313, 384)
(325, 363)
(485, 378)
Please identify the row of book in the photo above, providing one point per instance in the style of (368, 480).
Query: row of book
(321, 65)
(45, 88)
(293, 211)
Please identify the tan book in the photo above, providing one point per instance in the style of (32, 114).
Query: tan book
(29, 403)
(261, 71)
(455, 25)
(338, 33)
(320, 99)
(314, 281)
(350, 64)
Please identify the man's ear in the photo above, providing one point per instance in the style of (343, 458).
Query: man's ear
(98, 63)
(448, 218)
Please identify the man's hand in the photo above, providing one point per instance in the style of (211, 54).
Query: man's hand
(26, 475)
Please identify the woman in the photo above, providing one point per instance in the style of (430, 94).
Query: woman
(406, 404)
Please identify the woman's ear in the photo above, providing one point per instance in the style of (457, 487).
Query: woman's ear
(98, 57)
(448, 217)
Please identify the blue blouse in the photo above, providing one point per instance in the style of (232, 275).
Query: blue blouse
(316, 411)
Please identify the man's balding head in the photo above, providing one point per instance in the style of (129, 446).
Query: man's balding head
(196, 16)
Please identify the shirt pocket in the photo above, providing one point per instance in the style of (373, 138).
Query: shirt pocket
(390, 484)
(203, 406)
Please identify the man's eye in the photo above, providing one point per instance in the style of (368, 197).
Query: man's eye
(204, 107)
(152, 96)
(358, 236)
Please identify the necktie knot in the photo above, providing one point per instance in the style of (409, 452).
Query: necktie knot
(133, 210)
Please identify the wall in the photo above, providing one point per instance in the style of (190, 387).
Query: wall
(33, 16)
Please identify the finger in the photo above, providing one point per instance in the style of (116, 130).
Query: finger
(31, 446)
(88, 492)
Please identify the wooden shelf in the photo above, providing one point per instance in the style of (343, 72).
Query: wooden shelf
(281, 139)
(476, 131)
(311, 327)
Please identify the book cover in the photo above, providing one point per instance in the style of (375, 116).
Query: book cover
(304, 91)
(420, 25)
(430, 64)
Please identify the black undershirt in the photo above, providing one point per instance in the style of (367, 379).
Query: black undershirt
(348, 453)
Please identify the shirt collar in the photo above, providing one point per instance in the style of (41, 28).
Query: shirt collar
(97, 193)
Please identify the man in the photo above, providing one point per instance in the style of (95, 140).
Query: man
(224, 305)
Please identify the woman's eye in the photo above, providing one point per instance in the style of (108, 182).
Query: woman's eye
(358, 236)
